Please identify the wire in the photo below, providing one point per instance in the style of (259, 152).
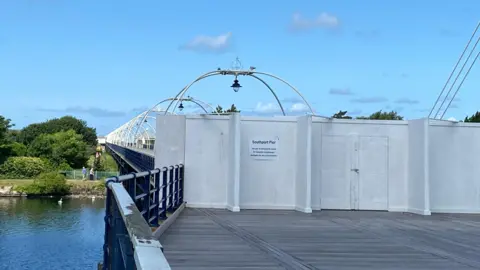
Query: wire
(453, 71)
(461, 83)
(459, 73)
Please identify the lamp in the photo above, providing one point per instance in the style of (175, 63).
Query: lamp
(236, 86)
(180, 107)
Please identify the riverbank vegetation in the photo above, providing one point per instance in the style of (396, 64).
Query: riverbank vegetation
(44, 186)
(41, 152)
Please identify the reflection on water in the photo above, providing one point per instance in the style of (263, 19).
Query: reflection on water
(41, 234)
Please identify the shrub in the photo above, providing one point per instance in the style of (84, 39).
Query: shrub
(18, 149)
(47, 184)
(64, 167)
(23, 167)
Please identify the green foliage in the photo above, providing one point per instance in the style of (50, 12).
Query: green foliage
(341, 115)
(13, 135)
(61, 147)
(47, 184)
(64, 167)
(31, 132)
(5, 125)
(475, 118)
(109, 163)
(104, 163)
(220, 110)
(13, 149)
(18, 149)
(5, 150)
(99, 186)
(23, 167)
(380, 115)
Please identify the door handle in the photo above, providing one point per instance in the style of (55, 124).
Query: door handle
(354, 170)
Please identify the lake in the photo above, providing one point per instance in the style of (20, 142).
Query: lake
(41, 234)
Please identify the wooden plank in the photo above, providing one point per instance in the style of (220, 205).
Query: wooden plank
(257, 239)
(168, 222)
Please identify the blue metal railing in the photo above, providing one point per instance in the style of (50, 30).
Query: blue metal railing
(142, 161)
(135, 203)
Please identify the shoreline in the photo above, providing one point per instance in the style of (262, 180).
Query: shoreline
(15, 194)
(76, 192)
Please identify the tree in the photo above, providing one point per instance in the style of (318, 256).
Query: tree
(380, 115)
(5, 125)
(220, 110)
(475, 118)
(5, 149)
(13, 135)
(341, 115)
(29, 133)
(61, 147)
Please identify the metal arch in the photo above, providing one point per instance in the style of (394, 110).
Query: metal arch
(123, 134)
(120, 132)
(206, 75)
(142, 122)
(238, 73)
(136, 123)
(271, 90)
(146, 136)
(291, 86)
(198, 101)
(188, 99)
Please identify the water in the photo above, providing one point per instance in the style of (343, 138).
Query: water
(40, 234)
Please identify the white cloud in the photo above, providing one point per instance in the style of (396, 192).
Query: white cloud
(341, 91)
(274, 109)
(406, 101)
(324, 20)
(266, 108)
(299, 107)
(452, 119)
(370, 100)
(204, 43)
(93, 111)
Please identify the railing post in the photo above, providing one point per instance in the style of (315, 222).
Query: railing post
(163, 213)
(107, 238)
(132, 187)
(156, 195)
(146, 199)
(116, 253)
(181, 181)
(176, 203)
(170, 188)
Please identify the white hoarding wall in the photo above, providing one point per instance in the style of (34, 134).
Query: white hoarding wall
(306, 163)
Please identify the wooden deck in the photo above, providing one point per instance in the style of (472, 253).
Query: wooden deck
(262, 239)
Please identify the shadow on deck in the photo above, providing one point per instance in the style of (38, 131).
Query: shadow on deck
(263, 239)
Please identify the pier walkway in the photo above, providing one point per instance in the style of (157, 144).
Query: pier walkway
(273, 239)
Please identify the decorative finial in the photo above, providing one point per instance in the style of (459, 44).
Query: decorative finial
(237, 65)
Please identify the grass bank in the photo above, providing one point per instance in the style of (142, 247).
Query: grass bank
(78, 188)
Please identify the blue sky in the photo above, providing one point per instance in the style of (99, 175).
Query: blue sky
(105, 61)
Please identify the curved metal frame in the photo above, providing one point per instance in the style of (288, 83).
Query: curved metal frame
(129, 132)
(125, 133)
(198, 102)
(237, 73)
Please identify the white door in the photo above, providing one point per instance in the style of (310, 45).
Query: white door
(335, 180)
(372, 173)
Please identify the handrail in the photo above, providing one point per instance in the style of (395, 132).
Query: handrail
(135, 203)
(148, 252)
(138, 160)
